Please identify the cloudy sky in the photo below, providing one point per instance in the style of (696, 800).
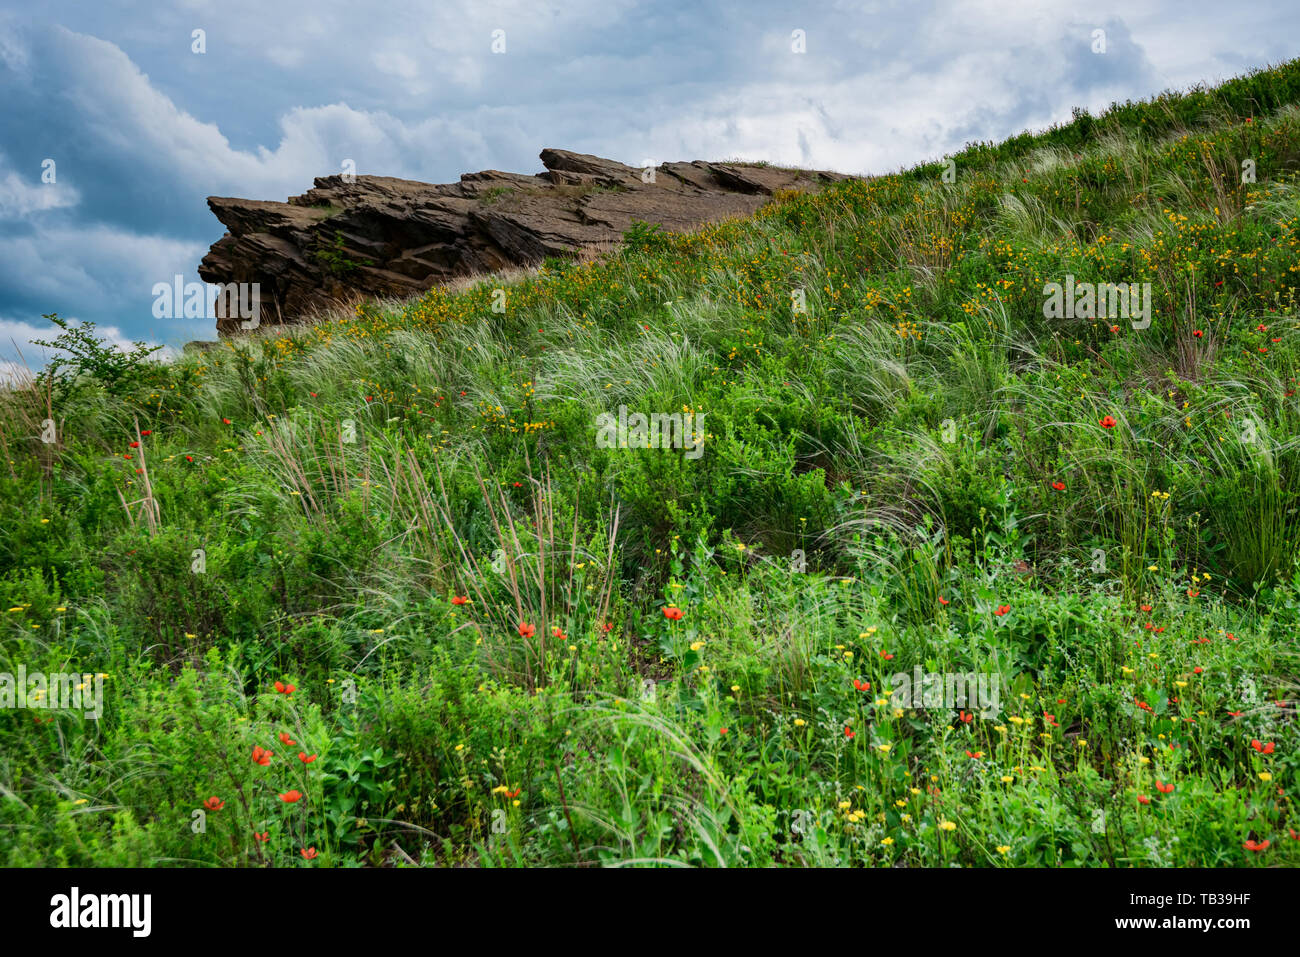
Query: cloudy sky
(141, 128)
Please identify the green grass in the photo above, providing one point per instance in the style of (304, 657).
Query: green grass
(905, 464)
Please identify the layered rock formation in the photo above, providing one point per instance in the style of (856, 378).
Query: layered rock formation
(380, 236)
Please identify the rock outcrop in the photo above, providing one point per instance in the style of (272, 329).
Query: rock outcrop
(380, 236)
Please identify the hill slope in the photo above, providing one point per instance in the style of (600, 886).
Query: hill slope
(408, 542)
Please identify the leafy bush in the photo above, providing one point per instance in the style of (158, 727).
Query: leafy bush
(88, 355)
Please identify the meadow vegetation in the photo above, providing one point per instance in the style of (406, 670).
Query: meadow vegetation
(368, 592)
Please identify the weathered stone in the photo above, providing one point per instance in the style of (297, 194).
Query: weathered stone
(381, 236)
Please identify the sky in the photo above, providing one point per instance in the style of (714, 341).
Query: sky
(118, 119)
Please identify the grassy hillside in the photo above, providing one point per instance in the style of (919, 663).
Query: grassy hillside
(510, 644)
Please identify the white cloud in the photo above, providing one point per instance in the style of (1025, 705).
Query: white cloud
(396, 63)
(21, 198)
(287, 57)
(126, 117)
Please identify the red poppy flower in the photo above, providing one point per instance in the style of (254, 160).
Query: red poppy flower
(189, 458)
(886, 655)
(306, 758)
(1051, 719)
(286, 740)
(1262, 748)
(1059, 486)
(1198, 670)
(1256, 846)
(607, 627)
(226, 421)
(942, 600)
(460, 600)
(1235, 714)
(862, 685)
(214, 804)
(283, 688)
(261, 755)
(673, 613)
(722, 731)
(975, 754)
(1108, 422)
(263, 837)
(1143, 799)
(147, 432)
(291, 797)
(965, 717)
(1295, 835)
(135, 445)
(1114, 328)
(849, 732)
(1198, 333)
(1002, 610)
(557, 632)
(526, 630)
(515, 792)
(1164, 788)
(308, 853)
